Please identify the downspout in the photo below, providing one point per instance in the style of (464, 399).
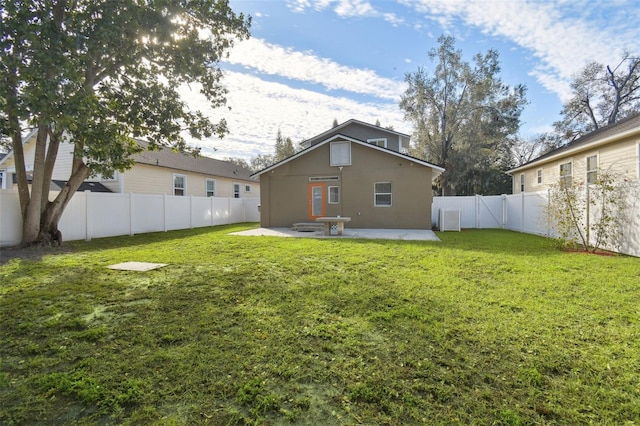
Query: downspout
(340, 194)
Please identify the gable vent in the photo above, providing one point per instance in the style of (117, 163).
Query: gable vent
(323, 178)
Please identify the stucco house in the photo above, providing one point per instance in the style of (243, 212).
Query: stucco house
(355, 170)
(155, 172)
(615, 148)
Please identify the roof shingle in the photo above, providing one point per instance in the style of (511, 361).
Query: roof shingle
(166, 157)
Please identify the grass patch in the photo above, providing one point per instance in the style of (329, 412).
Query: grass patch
(484, 327)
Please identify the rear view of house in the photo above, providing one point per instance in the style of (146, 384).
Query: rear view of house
(355, 170)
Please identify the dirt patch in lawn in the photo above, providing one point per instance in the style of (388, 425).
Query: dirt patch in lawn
(30, 253)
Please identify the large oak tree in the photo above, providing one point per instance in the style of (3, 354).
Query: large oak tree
(464, 118)
(102, 73)
(600, 95)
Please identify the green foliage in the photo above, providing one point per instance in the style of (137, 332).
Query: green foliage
(484, 327)
(283, 149)
(102, 73)
(590, 216)
(464, 119)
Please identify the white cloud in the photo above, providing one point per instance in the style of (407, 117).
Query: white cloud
(556, 33)
(299, 6)
(346, 9)
(259, 108)
(305, 66)
(349, 8)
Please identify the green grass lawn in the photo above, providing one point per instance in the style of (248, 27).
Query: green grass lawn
(486, 327)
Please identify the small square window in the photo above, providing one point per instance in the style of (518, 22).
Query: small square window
(340, 154)
(247, 188)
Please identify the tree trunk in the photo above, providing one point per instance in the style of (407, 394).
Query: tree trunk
(49, 164)
(54, 209)
(16, 140)
(31, 213)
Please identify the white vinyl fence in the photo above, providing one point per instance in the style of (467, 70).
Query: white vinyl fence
(525, 212)
(96, 215)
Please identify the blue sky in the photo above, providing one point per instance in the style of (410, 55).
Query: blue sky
(310, 61)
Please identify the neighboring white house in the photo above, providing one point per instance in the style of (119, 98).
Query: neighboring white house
(615, 148)
(155, 172)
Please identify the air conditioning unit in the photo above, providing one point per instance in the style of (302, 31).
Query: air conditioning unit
(449, 220)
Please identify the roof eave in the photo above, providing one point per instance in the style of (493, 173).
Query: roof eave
(437, 170)
(579, 148)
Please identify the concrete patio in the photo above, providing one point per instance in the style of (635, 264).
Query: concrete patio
(380, 234)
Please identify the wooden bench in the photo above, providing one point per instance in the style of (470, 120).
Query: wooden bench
(329, 221)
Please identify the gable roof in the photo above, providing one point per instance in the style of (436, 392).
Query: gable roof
(308, 142)
(617, 131)
(437, 170)
(166, 157)
(84, 186)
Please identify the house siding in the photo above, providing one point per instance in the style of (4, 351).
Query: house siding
(620, 158)
(285, 190)
(146, 179)
(64, 161)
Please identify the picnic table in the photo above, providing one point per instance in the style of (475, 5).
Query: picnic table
(329, 221)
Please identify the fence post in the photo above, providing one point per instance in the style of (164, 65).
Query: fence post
(164, 212)
(587, 213)
(229, 210)
(87, 215)
(131, 221)
(522, 207)
(191, 211)
(477, 213)
(244, 210)
(212, 211)
(547, 213)
(504, 210)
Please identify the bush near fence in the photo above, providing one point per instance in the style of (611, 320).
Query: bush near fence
(96, 215)
(525, 212)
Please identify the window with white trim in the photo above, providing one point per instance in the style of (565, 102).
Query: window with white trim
(211, 187)
(236, 190)
(592, 169)
(539, 176)
(340, 153)
(247, 188)
(334, 194)
(521, 182)
(179, 184)
(566, 174)
(378, 142)
(382, 194)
